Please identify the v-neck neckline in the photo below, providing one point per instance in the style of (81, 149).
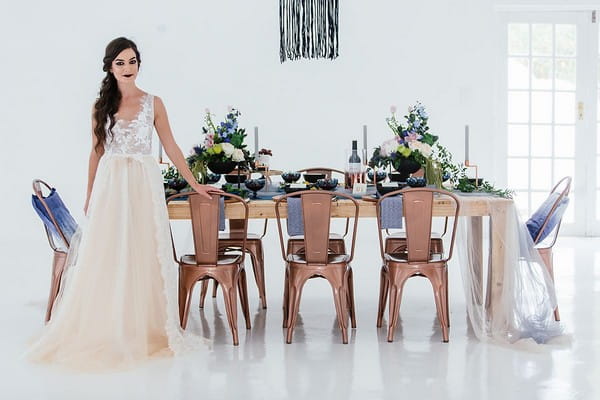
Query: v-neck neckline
(143, 100)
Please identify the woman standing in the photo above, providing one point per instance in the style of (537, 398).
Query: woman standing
(119, 299)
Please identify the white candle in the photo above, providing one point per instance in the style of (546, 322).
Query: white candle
(365, 137)
(466, 143)
(256, 141)
(160, 152)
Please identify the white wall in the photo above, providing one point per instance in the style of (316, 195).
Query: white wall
(201, 54)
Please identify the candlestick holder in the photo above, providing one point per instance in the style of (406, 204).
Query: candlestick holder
(469, 165)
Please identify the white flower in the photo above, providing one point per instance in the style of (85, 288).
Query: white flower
(230, 108)
(388, 147)
(423, 148)
(207, 110)
(238, 155)
(228, 149)
(393, 109)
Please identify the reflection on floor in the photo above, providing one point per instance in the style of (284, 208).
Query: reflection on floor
(416, 365)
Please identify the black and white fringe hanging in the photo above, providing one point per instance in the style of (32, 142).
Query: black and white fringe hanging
(308, 29)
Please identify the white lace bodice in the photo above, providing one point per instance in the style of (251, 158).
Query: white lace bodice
(135, 136)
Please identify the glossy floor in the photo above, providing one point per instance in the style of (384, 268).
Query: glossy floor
(317, 365)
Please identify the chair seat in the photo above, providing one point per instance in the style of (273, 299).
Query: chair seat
(224, 259)
(403, 258)
(237, 236)
(332, 236)
(402, 235)
(331, 258)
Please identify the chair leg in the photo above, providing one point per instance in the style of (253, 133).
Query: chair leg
(383, 294)
(351, 304)
(256, 256)
(203, 291)
(243, 292)
(185, 298)
(395, 296)
(215, 286)
(446, 297)
(438, 282)
(296, 281)
(58, 265)
(340, 300)
(286, 295)
(230, 297)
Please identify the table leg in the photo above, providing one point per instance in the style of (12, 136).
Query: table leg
(475, 256)
(498, 225)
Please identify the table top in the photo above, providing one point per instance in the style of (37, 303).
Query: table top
(443, 206)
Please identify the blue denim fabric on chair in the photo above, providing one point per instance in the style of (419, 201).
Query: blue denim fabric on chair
(545, 223)
(60, 227)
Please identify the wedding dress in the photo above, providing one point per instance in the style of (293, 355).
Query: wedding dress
(118, 303)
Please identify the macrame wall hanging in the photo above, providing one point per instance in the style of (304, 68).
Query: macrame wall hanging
(308, 29)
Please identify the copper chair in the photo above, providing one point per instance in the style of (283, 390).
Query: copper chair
(209, 263)
(418, 259)
(60, 253)
(254, 247)
(317, 260)
(336, 241)
(544, 246)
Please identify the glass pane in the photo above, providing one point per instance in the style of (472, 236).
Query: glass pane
(564, 141)
(541, 73)
(518, 173)
(518, 107)
(598, 204)
(522, 203)
(541, 107)
(565, 74)
(541, 176)
(597, 173)
(564, 111)
(566, 40)
(541, 40)
(518, 39)
(541, 140)
(518, 140)
(564, 167)
(518, 73)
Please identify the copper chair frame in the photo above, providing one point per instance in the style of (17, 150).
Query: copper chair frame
(208, 263)
(336, 244)
(317, 260)
(418, 259)
(546, 250)
(253, 247)
(59, 255)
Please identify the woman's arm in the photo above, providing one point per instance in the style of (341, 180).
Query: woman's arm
(161, 122)
(95, 156)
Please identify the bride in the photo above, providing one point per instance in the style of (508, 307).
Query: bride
(118, 305)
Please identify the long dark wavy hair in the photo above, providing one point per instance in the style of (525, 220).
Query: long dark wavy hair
(109, 97)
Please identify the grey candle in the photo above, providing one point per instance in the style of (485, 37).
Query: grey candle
(466, 143)
(365, 137)
(256, 141)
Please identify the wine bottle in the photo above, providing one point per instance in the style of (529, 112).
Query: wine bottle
(353, 169)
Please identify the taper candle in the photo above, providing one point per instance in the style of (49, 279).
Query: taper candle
(365, 137)
(256, 141)
(466, 143)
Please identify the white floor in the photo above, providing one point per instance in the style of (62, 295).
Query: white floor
(416, 365)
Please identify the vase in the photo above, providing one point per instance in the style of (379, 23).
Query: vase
(221, 167)
(405, 167)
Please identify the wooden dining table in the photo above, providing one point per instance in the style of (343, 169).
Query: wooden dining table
(473, 207)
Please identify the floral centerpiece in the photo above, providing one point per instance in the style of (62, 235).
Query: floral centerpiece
(411, 148)
(223, 148)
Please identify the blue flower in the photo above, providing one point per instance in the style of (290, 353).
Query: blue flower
(416, 123)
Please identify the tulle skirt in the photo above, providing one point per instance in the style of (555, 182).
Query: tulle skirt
(118, 301)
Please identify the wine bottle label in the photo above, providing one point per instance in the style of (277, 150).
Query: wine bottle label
(354, 168)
